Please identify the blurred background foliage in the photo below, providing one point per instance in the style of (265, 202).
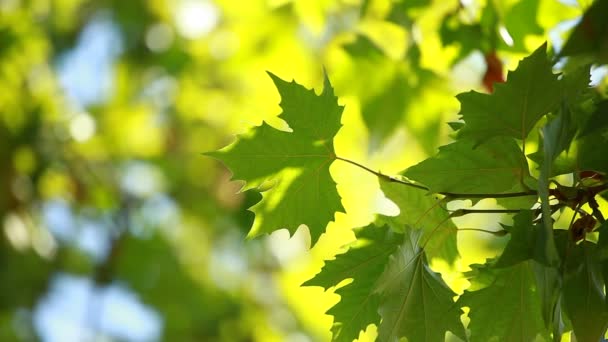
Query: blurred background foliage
(115, 228)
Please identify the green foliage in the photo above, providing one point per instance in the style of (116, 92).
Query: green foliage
(421, 210)
(545, 281)
(583, 293)
(515, 107)
(589, 37)
(507, 308)
(523, 237)
(298, 162)
(105, 106)
(461, 167)
(416, 303)
(359, 302)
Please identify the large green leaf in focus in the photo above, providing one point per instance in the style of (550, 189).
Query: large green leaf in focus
(460, 167)
(298, 162)
(416, 303)
(508, 308)
(358, 306)
(531, 91)
(423, 211)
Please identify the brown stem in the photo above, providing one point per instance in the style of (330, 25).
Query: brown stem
(462, 212)
(501, 232)
(450, 195)
(381, 175)
(596, 210)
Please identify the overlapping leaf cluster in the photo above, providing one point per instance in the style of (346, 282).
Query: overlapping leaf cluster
(548, 280)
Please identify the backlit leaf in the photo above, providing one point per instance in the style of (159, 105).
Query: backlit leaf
(508, 309)
(415, 302)
(584, 298)
(460, 167)
(298, 162)
(421, 210)
(531, 91)
(358, 306)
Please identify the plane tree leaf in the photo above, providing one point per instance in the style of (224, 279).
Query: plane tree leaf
(590, 36)
(461, 167)
(358, 306)
(423, 211)
(298, 162)
(531, 91)
(508, 308)
(522, 239)
(415, 301)
(583, 293)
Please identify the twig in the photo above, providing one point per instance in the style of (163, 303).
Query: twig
(462, 212)
(381, 175)
(493, 232)
(450, 195)
(596, 210)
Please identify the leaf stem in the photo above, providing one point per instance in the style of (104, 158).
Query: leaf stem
(493, 232)
(596, 210)
(462, 212)
(450, 195)
(381, 175)
(505, 195)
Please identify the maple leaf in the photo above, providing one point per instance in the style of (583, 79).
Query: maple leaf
(496, 166)
(416, 303)
(420, 210)
(590, 36)
(531, 91)
(527, 241)
(583, 292)
(508, 308)
(298, 162)
(523, 237)
(358, 305)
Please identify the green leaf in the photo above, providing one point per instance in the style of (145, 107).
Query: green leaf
(420, 210)
(590, 36)
(562, 128)
(527, 242)
(531, 91)
(558, 134)
(508, 308)
(358, 306)
(548, 284)
(416, 303)
(602, 250)
(460, 167)
(584, 298)
(582, 155)
(298, 162)
(598, 119)
(553, 142)
(520, 20)
(522, 240)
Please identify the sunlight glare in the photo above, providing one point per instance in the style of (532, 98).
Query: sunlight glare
(195, 19)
